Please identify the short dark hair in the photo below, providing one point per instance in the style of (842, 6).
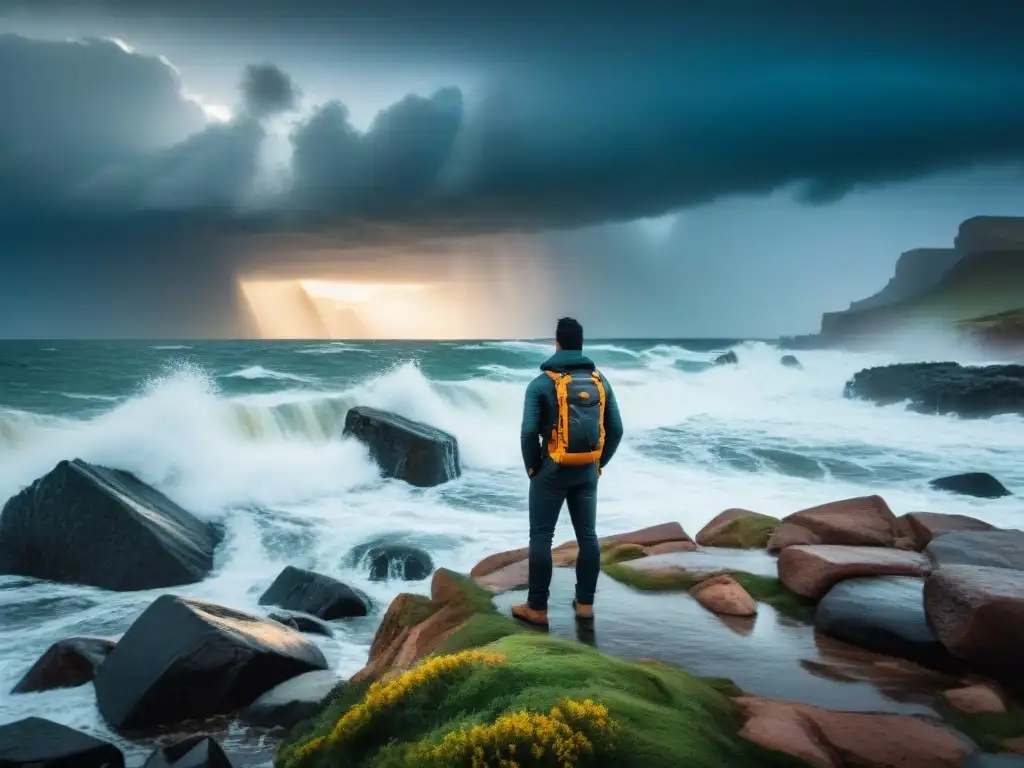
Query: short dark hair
(569, 334)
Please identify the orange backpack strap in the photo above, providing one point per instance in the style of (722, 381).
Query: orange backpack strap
(559, 435)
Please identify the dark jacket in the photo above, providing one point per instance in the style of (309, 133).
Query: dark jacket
(540, 410)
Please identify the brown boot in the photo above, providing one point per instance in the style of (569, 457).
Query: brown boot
(524, 612)
(583, 612)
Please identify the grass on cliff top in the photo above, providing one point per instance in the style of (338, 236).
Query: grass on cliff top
(664, 716)
(763, 589)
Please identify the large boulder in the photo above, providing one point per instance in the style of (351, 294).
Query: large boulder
(922, 527)
(66, 664)
(408, 450)
(386, 559)
(970, 391)
(38, 743)
(739, 528)
(86, 524)
(292, 701)
(193, 752)
(186, 659)
(862, 521)
(789, 534)
(996, 548)
(883, 614)
(977, 612)
(297, 589)
(726, 358)
(812, 570)
(981, 485)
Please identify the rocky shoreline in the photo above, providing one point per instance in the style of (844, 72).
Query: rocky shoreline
(840, 635)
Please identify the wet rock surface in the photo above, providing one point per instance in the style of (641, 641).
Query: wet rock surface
(860, 521)
(292, 701)
(997, 549)
(86, 524)
(726, 358)
(922, 527)
(66, 664)
(39, 743)
(883, 614)
(385, 560)
(739, 528)
(811, 571)
(302, 622)
(324, 597)
(977, 612)
(417, 453)
(194, 752)
(981, 485)
(765, 655)
(711, 560)
(970, 391)
(215, 661)
(790, 361)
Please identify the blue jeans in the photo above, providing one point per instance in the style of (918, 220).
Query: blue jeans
(549, 489)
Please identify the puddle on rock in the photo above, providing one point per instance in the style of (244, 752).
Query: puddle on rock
(767, 655)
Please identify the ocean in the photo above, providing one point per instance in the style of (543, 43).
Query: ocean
(249, 433)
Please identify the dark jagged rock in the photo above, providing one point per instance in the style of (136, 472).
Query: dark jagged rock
(392, 560)
(302, 622)
(790, 361)
(297, 589)
(186, 659)
(417, 453)
(883, 614)
(981, 485)
(291, 702)
(949, 388)
(86, 524)
(39, 743)
(66, 664)
(728, 358)
(998, 549)
(193, 752)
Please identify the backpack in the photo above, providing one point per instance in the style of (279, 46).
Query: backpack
(578, 437)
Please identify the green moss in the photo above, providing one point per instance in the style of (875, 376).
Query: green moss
(748, 532)
(988, 729)
(479, 630)
(478, 598)
(665, 716)
(620, 553)
(417, 609)
(764, 589)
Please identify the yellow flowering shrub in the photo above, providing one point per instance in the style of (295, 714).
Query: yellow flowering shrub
(573, 733)
(387, 692)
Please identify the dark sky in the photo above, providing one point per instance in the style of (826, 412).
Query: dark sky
(692, 168)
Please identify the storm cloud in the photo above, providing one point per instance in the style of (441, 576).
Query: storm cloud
(105, 132)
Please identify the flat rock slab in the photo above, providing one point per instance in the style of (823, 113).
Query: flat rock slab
(412, 451)
(810, 571)
(186, 659)
(86, 524)
(711, 560)
(860, 521)
(925, 526)
(39, 743)
(883, 614)
(977, 612)
(830, 739)
(997, 549)
(767, 655)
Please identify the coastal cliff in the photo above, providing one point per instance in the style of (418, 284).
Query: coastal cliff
(974, 290)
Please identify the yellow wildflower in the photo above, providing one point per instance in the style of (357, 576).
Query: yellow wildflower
(388, 691)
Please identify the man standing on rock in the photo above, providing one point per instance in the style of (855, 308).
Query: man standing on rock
(571, 428)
